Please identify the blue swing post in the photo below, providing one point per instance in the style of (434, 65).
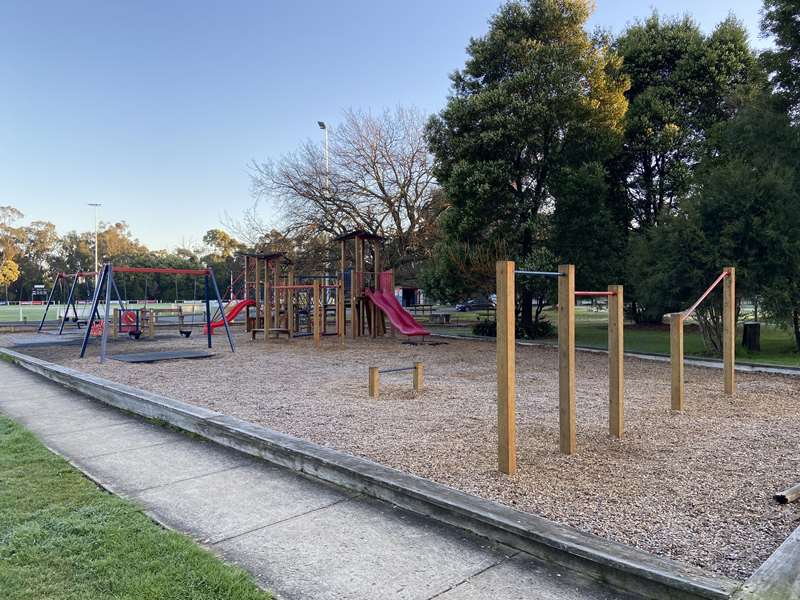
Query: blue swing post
(101, 278)
(221, 311)
(50, 301)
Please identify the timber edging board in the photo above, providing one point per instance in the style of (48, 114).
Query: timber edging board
(620, 566)
(779, 577)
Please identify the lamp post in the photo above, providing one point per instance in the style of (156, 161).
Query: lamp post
(324, 128)
(96, 271)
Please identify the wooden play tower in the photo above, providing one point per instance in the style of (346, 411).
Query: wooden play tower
(364, 272)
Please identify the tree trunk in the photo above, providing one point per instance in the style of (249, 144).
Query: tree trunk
(526, 313)
(796, 322)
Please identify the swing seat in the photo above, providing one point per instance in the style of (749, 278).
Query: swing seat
(185, 332)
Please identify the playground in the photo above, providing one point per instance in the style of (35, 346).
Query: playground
(694, 485)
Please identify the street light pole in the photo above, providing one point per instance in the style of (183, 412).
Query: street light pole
(324, 128)
(96, 270)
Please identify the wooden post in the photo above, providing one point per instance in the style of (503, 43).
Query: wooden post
(290, 303)
(342, 249)
(317, 310)
(355, 276)
(267, 302)
(374, 382)
(391, 285)
(257, 291)
(566, 358)
(340, 311)
(676, 359)
(729, 330)
(419, 373)
(616, 360)
(114, 323)
(151, 323)
(506, 369)
(276, 300)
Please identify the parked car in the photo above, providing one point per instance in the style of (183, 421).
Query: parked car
(475, 304)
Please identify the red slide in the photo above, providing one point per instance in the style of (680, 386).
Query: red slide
(400, 318)
(240, 306)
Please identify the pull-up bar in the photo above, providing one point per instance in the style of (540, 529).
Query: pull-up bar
(540, 273)
(587, 294)
(687, 313)
(676, 322)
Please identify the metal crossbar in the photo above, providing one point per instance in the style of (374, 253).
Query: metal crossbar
(687, 313)
(595, 293)
(396, 370)
(540, 273)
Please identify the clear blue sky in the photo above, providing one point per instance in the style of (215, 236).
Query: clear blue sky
(154, 108)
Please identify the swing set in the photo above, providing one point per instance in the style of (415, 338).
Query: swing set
(131, 321)
(72, 296)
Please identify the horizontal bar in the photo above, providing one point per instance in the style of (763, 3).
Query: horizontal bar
(540, 273)
(595, 293)
(163, 271)
(685, 314)
(396, 370)
(297, 286)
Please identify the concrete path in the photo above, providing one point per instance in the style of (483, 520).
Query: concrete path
(301, 539)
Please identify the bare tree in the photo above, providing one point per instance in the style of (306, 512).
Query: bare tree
(380, 181)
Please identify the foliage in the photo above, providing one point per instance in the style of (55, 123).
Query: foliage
(536, 96)
(9, 245)
(781, 20)
(681, 85)
(748, 207)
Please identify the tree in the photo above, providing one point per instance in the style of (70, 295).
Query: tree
(748, 207)
(38, 243)
(9, 244)
(536, 97)
(380, 181)
(683, 83)
(781, 20)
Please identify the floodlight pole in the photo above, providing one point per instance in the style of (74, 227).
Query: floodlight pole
(97, 273)
(324, 128)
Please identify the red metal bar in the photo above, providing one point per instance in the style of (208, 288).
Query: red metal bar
(165, 271)
(687, 313)
(595, 293)
(292, 287)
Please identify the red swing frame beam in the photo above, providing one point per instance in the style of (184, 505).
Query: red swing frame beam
(164, 271)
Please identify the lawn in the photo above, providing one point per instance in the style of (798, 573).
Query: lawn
(62, 537)
(34, 312)
(591, 330)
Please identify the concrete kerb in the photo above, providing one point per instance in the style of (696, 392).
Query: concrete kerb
(620, 566)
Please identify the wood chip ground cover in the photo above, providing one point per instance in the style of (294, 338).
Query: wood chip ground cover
(694, 486)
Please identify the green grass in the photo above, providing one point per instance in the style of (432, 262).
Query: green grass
(61, 537)
(591, 330)
(34, 312)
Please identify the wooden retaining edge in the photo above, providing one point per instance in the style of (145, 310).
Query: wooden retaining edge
(620, 566)
(779, 577)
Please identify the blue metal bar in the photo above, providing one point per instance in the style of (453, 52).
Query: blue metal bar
(70, 302)
(101, 277)
(104, 337)
(49, 301)
(540, 273)
(222, 311)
